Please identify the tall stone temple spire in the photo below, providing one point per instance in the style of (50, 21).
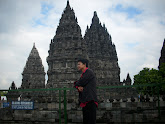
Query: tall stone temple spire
(66, 48)
(102, 53)
(162, 57)
(33, 73)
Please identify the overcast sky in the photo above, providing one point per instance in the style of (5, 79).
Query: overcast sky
(137, 28)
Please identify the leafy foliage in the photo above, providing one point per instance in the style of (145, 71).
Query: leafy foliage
(3, 93)
(151, 76)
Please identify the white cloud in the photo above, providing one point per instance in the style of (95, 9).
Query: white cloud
(138, 40)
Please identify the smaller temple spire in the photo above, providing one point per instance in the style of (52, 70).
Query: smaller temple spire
(34, 44)
(87, 29)
(128, 77)
(95, 13)
(164, 44)
(104, 26)
(95, 19)
(12, 95)
(13, 86)
(68, 5)
(33, 75)
(34, 52)
(67, 2)
(128, 80)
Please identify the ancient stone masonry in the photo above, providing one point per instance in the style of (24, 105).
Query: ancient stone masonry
(128, 91)
(66, 48)
(129, 111)
(12, 95)
(102, 53)
(128, 80)
(103, 58)
(162, 57)
(33, 73)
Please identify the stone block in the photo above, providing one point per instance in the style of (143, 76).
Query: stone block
(101, 105)
(69, 106)
(52, 106)
(139, 104)
(77, 119)
(51, 120)
(116, 105)
(161, 103)
(123, 105)
(108, 106)
(27, 116)
(79, 113)
(18, 115)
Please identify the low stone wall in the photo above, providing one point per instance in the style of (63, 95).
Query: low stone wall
(107, 112)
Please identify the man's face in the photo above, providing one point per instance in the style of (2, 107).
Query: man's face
(80, 66)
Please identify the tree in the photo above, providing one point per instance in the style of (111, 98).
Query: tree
(150, 76)
(3, 93)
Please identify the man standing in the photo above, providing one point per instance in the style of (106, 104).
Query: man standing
(86, 86)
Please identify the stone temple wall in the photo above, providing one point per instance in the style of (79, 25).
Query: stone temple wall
(110, 110)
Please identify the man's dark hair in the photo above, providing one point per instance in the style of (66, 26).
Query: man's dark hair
(84, 61)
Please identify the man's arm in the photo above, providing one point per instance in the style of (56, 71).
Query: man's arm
(79, 88)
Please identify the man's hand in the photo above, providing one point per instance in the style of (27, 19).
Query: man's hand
(80, 89)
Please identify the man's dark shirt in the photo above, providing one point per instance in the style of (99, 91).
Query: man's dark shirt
(88, 82)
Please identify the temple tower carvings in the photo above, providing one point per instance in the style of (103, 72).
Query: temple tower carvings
(102, 53)
(33, 73)
(66, 48)
(162, 56)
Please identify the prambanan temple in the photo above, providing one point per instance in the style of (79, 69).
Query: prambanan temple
(66, 47)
